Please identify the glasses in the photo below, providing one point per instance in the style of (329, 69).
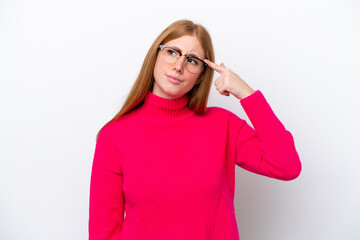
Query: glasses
(172, 55)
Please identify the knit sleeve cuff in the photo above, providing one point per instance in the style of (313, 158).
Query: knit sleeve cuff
(261, 115)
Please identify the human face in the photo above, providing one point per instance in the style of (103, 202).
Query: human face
(164, 73)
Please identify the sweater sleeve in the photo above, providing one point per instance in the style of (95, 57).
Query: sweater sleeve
(267, 149)
(106, 208)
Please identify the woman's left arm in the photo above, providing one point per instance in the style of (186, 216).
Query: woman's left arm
(268, 150)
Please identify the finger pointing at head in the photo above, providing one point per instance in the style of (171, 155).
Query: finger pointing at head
(214, 66)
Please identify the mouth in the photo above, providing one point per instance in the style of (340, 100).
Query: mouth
(173, 77)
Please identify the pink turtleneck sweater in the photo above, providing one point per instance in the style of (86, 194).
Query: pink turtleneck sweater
(173, 172)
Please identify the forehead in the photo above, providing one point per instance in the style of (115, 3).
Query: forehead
(187, 45)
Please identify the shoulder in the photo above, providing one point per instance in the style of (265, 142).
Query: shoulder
(122, 123)
(106, 133)
(221, 112)
(120, 128)
(217, 111)
(224, 115)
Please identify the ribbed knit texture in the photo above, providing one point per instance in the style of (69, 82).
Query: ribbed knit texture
(173, 171)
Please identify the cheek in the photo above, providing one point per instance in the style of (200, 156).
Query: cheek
(192, 77)
(157, 69)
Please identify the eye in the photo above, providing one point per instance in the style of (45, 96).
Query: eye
(171, 52)
(193, 61)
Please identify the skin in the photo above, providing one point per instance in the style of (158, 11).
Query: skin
(227, 83)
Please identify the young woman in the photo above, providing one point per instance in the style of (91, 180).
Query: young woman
(168, 161)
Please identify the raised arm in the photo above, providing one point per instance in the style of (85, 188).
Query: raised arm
(268, 150)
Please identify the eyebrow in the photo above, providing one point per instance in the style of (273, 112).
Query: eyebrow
(190, 54)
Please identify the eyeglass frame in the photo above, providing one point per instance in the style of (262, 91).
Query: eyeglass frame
(187, 57)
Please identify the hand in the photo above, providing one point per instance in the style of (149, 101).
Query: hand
(230, 82)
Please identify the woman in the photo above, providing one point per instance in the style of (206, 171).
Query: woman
(168, 161)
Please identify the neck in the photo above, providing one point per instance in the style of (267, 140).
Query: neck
(164, 108)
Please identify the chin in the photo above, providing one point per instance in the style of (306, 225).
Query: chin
(173, 92)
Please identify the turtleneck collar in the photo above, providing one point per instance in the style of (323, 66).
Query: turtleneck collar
(164, 108)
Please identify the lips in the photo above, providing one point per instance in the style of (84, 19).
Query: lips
(173, 77)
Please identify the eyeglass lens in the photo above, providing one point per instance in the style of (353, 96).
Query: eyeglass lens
(193, 65)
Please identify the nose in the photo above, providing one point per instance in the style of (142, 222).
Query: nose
(180, 64)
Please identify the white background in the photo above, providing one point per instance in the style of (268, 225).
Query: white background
(66, 68)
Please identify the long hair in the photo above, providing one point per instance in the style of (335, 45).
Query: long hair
(198, 95)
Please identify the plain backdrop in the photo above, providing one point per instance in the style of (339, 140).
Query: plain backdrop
(67, 66)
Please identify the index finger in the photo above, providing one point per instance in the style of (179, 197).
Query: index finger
(213, 65)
